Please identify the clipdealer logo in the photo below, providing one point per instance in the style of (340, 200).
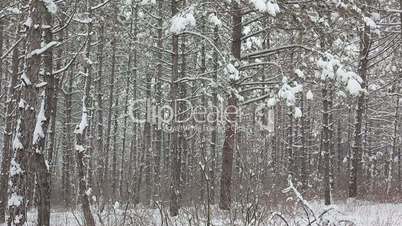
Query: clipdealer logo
(183, 113)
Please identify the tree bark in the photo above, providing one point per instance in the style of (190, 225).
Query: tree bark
(231, 114)
(9, 122)
(175, 157)
(357, 149)
(81, 142)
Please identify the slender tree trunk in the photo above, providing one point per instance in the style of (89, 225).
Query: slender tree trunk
(231, 114)
(147, 145)
(106, 184)
(122, 177)
(157, 147)
(132, 72)
(175, 157)
(304, 158)
(46, 109)
(325, 137)
(214, 131)
(395, 142)
(81, 142)
(99, 110)
(115, 177)
(9, 121)
(357, 151)
(67, 142)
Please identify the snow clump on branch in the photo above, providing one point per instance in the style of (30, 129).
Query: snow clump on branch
(182, 21)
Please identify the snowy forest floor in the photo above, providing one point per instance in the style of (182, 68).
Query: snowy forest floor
(342, 213)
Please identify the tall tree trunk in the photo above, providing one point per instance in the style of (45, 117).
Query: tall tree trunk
(23, 139)
(395, 139)
(304, 158)
(106, 184)
(68, 153)
(175, 157)
(115, 178)
(132, 72)
(9, 121)
(99, 110)
(325, 137)
(214, 131)
(157, 147)
(231, 114)
(147, 145)
(357, 149)
(81, 142)
(45, 115)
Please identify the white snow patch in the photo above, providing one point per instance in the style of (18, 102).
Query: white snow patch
(213, 19)
(15, 200)
(15, 168)
(232, 72)
(82, 18)
(25, 79)
(88, 192)
(38, 133)
(299, 73)
(272, 102)
(269, 6)
(309, 95)
(148, 2)
(13, 10)
(84, 119)
(298, 113)
(79, 148)
(28, 22)
(370, 22)
(21, 104)
(17, 145)
(288, 92)
(182, 21)
(354, 87)
(50, 6)
(43, 49)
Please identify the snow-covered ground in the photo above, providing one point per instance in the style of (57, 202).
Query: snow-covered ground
(362, 213)
(359, 213)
